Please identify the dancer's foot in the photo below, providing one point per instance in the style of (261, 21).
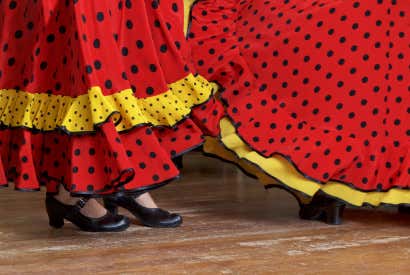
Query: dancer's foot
(92, 208)
(144, 209)
(323, 208)
(86, 214)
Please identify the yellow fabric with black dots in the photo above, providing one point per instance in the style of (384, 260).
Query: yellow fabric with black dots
(48, 112)
(277, 170)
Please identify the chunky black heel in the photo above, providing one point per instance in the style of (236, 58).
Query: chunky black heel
(58, 211)
(323, 208)
(152, 217)
(334, 214)
(56, 220)
(111, 207)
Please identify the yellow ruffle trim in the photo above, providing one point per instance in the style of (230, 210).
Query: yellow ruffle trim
(48, 112)
(277, 170)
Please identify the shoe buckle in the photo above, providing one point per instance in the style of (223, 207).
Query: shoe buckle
(81, 202)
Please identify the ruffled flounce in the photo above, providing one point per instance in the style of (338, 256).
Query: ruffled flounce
(47, 112)
(286, 171)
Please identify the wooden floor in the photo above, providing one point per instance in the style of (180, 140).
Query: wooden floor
(232, 226)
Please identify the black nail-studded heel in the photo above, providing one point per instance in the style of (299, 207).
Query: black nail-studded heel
(323, 208)
(152, 217)
(58, 211)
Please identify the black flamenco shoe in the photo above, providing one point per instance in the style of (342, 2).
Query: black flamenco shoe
(58, 211)
(323, 208)
(152, 217)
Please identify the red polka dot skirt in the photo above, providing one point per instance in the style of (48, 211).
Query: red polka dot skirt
(316, 92)
(95, 95)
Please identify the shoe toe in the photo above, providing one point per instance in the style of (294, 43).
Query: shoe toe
(173, 220)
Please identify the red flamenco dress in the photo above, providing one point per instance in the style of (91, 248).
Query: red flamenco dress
(316, 93)
(95, 95)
